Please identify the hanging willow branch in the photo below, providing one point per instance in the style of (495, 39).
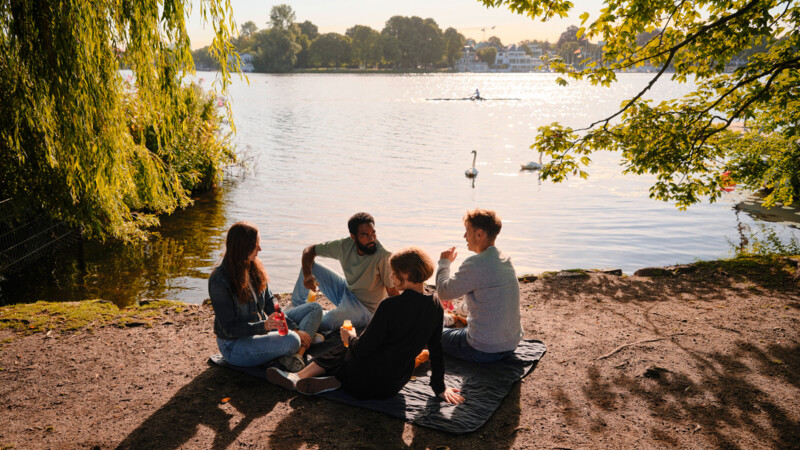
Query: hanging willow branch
(69, 144)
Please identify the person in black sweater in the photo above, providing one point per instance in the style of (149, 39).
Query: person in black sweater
(377, 364)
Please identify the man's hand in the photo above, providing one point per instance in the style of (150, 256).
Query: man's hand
(305, 339)
(450, 254)
(310, 282)
(307, 264)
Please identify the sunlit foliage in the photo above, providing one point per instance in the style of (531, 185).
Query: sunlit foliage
(687, 143)
(83, 144)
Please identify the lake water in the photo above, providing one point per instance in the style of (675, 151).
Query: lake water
(325, 146)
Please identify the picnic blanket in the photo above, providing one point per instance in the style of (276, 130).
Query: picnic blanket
(484, 386)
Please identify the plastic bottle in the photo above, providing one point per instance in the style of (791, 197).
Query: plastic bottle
(347, 325)
(283, 327)
(312, 296)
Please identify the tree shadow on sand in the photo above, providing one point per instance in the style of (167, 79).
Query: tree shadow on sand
(198, 403)
(708, 282)
(724, 391)
(314, 421)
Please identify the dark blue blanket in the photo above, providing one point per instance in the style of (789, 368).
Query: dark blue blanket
(484, 386)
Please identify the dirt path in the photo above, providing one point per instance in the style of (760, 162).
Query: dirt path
(706, 359)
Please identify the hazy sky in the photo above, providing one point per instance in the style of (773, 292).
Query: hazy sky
(467, 16)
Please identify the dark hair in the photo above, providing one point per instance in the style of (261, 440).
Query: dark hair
(413, 262)
(357, 220)
(241, 241)
(484, 219)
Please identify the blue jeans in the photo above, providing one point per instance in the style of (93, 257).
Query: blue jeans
(334, 286)
(307, 317)
(260, 349)
(454, 343)
(263, 348)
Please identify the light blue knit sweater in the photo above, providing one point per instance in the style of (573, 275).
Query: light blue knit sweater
(491, 289)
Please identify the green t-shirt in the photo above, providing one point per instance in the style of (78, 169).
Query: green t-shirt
(367, 276)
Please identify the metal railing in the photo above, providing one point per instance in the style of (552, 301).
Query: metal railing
(25, 238)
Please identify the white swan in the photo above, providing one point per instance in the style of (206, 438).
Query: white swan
(472, 172)
(532, 165)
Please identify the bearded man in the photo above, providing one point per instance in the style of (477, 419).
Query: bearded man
(367, 275)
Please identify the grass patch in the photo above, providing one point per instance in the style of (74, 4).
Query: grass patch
(769, 271)
(40, 317)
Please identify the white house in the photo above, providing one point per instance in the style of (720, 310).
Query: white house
(246, 59)
(516, 60)
(247, 62)
(469, 61)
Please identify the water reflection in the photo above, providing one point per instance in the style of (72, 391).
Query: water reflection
(325, 146)
(177, 260)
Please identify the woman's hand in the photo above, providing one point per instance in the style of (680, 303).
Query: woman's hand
(271, 323)
(347, 334)
(305, 339)
(449, 395)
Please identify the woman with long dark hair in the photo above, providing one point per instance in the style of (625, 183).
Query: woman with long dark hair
(245, 318)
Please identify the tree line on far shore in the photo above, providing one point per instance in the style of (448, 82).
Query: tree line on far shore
(405, 43)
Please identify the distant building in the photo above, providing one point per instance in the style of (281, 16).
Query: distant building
(469, 61)
(515, 59)
(246, 59)
(247, 62)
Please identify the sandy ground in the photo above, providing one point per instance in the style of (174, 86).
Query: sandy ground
(705, 359)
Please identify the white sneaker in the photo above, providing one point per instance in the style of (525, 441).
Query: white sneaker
(282, 379)
(292, 363)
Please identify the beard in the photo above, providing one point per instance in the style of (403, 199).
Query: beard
(368, 249)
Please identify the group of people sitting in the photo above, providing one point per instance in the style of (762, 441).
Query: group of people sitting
(382, 294)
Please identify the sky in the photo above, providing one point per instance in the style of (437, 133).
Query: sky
(469, 17)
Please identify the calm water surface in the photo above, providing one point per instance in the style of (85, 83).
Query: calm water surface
(325, 146)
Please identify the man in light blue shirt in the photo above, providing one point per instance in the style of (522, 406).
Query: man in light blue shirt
(489, 283)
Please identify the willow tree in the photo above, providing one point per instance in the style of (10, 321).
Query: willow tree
(687, 143)
(68, 145)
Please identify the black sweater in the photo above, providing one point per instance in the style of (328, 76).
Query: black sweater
(380, 361)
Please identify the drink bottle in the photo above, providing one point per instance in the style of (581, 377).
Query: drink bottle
(283, 327)
(348, 326)
(312, 296)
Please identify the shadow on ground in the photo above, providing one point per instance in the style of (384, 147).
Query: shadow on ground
(198, 403)
(312, 422)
